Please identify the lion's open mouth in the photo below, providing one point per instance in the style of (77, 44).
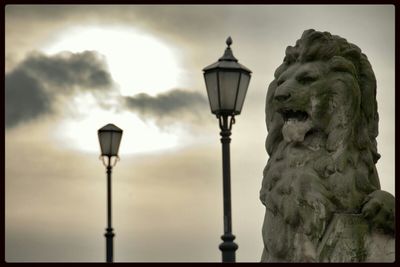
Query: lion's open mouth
(289, 114)
(297, 124)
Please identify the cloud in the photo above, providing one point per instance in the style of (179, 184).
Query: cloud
(25, 98)
(65, 70)
(32, 86)
(173, 105)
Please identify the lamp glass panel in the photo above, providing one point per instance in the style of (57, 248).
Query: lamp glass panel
(212, 90)
(105, 143)
(115, 142)
(228, 82)
(244, 84)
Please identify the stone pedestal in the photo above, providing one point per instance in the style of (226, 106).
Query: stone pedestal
(350, 239)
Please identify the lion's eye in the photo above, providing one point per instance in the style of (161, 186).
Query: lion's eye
(307, 79)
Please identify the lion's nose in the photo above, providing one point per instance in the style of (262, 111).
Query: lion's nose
(281, 97)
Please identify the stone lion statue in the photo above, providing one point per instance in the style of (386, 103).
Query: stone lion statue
(322, 121)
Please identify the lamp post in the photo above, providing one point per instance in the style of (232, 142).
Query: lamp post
(227, 82)
(109, 138)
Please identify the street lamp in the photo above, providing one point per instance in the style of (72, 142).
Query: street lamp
(226, 83)
(109, 138)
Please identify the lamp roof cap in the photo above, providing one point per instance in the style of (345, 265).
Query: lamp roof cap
(227, 61)
(110, 128)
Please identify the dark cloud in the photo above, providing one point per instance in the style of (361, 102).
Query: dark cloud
(31, 87)
(66, 70)
(173, 104)
(25, 98)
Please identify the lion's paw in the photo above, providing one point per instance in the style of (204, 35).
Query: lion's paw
(378, 208)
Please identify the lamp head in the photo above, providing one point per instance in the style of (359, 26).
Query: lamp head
(109, 139)
(226, 81)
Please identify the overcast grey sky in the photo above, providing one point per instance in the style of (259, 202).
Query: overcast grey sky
(72, 69)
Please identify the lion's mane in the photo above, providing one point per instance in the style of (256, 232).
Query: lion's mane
(303, 187)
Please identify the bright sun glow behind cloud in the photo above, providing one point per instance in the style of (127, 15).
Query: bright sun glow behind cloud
(138, 136)
(138, 63)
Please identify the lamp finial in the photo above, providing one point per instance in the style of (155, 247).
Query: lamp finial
(229, 41)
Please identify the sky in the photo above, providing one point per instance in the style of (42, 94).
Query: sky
(72, 69)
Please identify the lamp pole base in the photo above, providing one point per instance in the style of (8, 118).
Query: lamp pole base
(228, 248)
(109, 245)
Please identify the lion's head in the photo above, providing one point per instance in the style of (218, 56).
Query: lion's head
(324, 84)
(322, 121)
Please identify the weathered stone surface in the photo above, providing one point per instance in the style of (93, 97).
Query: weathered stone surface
(322, 121)
(349, 238)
